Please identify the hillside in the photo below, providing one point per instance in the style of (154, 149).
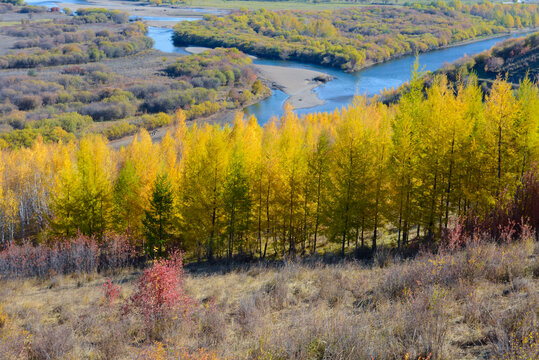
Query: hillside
(514, 58)
(478, 303)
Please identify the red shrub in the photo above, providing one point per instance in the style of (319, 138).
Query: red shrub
(159, 292)
(115, 252)
(111, 291)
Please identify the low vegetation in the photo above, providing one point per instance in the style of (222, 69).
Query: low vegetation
(477, 302)
(78, 77)
(353, 38)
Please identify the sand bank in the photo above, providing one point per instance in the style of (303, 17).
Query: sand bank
(298, 83)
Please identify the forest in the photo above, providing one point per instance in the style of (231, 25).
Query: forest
(353, 38)
(353, 178)
(59, 84)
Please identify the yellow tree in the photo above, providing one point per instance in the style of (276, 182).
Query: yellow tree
(501, 110)
(527, 125)
(404, 155)
(350, 174)
(293, 166)
(201, 205)
(379, 139)
(95, 170)
(64, 200)
(319, 163)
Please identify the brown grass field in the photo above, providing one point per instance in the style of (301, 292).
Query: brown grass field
(478, 303)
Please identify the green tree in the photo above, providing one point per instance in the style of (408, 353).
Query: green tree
(158, 219)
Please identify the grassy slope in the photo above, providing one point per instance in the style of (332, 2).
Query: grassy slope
(469, 304)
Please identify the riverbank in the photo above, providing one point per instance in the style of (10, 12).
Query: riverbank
(297, 83)
(523, 32)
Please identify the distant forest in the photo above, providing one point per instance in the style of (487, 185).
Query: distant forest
(355, 37)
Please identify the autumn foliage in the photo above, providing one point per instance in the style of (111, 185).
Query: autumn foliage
(284, 188)
(355, 37)
(159, 294)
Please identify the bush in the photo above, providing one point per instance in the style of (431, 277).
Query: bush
(159, 294)
(120, 130)
(52, 342)
(28, 102)
(111, 291)
(511, 216)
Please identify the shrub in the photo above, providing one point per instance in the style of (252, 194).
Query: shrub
(510, 216)
(524, 348)
(159, 352)
(111, 291)
(119, 130)
(159, 295)
(426, 320)
(12, 339)
(28, 102)
(51, 342)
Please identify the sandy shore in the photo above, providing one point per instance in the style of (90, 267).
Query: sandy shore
(298, 83)
(196, 49)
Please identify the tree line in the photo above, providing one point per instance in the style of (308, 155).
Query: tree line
(347, 177)
(353, 38)
(515, 58)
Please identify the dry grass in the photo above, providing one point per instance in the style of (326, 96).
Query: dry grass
(477, 303)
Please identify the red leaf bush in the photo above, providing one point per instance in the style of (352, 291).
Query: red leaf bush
(112, 291)
(511, 217)
(159, 294)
